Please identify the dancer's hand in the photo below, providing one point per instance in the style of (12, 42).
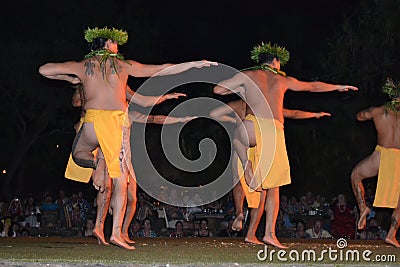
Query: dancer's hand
(321, 114)
(204, 63)
(345, 88)
(174, 95)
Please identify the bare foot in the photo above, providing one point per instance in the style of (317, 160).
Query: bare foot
(273, 241)
(121, 243)
(253, 240)
(237, 224)
(362, 222)
(392, 241)
(98, 233)
(127, 239)
(248, 173)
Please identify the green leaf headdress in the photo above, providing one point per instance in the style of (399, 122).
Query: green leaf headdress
(274, 50)
(120, 36)
(393, 91)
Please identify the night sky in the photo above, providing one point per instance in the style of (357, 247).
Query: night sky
(36, 32)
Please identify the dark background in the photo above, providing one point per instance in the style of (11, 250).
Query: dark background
(343, 41)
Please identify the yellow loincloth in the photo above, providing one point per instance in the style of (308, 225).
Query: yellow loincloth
(388, 187)
(76, 172)
(252, 197)
(270, 161)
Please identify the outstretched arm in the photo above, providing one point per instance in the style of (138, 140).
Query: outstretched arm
(135, 116)
(137, 69)
(296, 85)
(66, 71)
(365, 114)
(235, 107)
(148, 101)
(300, 114)
(232, 85)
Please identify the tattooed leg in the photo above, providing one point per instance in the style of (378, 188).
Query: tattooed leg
(366, 168)
(84, 143)
(103, 203)
(358, 190)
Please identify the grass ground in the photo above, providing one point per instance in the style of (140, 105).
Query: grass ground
(35, 251)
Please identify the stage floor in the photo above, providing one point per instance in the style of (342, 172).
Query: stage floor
(63, 252)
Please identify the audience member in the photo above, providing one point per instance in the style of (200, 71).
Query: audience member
(31, 212)
(88, 229)
(134, 229)
(146, 229)
(343, 222)
(15, 209)
(49, 211)
(178, 230)
(317, 231)
(203, 230)
(143, 209)
(300, 231)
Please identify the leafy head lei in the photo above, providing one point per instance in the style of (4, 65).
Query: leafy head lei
(274, 50)
(120, 36)
(393, 91)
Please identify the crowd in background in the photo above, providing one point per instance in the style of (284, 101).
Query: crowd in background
(307, 216)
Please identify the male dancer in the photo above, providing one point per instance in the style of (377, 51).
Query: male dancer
(384, 161)
(101, 179)
(104, 74)
(271, 84)
(255, 199)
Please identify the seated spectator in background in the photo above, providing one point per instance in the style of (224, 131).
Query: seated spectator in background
(134, 229)
(6, 227)
(49, 211)
(14, 230)
(84, 206)
(15, 209)
(143, 208)
(146, 229)
(178, 230)
(76, 220)
(88, 229)
(317, 231)
(374, 230)
(343, 220)
(226, 229)
(203, 230)
(31, 212)
(304, 207)
(300, 231)
(292, 207)
(63, 213)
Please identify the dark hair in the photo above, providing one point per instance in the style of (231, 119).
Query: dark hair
(146, 219)
(136, 221)
(98, 43)
(204, 220)
(266, 58)
(178, 222)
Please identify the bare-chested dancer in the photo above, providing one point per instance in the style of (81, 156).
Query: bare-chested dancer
(101, 180)
(384, 162)
(272, 84)
(104, 74)
(240, 109)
